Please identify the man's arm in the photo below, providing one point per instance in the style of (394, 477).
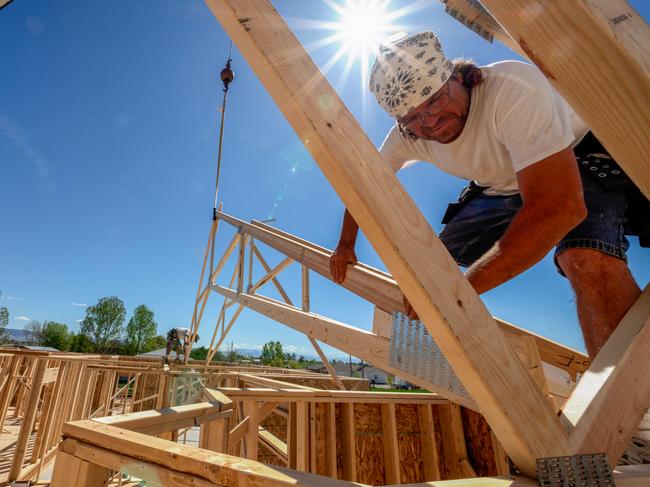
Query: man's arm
(344, 252)
(553, 204)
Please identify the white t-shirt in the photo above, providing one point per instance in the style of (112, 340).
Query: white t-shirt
(515, 119)
(182, 332)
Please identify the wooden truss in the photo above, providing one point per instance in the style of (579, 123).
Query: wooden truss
(603, 38)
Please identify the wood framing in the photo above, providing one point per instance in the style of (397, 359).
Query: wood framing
(607, 43)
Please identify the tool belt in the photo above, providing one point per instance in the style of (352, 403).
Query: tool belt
(595, 162)
(468, 193)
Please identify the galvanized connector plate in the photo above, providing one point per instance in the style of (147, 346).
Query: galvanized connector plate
(413, 350)
(575, 471)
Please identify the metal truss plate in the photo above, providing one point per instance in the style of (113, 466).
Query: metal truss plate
(413, 350)
(575, 471)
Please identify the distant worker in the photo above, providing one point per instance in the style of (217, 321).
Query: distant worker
(505, 128)
(178, 340)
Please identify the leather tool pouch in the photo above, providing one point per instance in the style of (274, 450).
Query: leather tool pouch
(594, 161)
(468, 193)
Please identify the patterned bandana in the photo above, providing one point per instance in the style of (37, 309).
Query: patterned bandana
(408, 71)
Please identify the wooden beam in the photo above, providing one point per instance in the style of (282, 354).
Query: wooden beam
(606, 42)
(349, 444)
(608, 403)
(453, 438)
(70, 471)
(357, 342)
(28, 420)
(223, 470)
(381, 289)
(428, 447)
(251, 411)
(450, 308)
(389, 441)
(154, 475)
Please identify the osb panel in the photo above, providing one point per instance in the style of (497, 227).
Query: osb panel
(408, 443)
(369, 444)
(276, 424)
(265, 455)
(339, 442)
(479, 443)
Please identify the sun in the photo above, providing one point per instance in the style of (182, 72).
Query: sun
(363, 24)
(358, 32)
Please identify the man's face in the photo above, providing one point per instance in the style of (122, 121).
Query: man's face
(442, 117)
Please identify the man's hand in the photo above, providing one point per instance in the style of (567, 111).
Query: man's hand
(408, 309)
(342, 256)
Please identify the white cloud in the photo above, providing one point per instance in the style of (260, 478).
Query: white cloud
(18, 136)
(78, 321)
(15, 298)
(79, 304)
(22, 318)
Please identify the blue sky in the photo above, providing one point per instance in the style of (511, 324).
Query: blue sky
(108, 136)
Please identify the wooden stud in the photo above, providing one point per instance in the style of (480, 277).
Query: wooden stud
(349, 442)
(28, 420)
(429, 449)
(70, 471)
(389, 439)
(453, 441)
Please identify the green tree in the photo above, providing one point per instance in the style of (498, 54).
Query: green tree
(141, 327)
(155, 343)
(104, 323)
(199, 353)
(273, 355)
(80, 343)
(56, 335)
(4, 321)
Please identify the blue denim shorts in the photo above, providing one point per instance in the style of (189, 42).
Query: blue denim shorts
(476, 227)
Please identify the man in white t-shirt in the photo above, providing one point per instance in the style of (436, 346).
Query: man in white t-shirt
(178, 340)
(504, 128)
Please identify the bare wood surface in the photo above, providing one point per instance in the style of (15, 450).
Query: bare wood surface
(381, 289)
(608, 403)
(606, 42)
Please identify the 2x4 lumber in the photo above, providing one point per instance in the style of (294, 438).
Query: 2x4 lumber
(190, 414)
(29, 418)
(428, 447)
(218, 397)
(70, 471)
(266, 267)
(453, 438)
(328, 365)
(214, 435)
(606, 42)
(610, 400)
(154, 475)
(252, 434)
(348, 439)
(382, 290)
(237, 433)
(450, 308)
(299, 436)
(389, 441)
(223, 470)
(275, 444)
(330, 440)
(359, 343)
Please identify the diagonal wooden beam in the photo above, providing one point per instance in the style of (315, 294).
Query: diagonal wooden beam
(450, 308)
(357, 342)
(608, 403)
(605, 42)
(381, 289)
